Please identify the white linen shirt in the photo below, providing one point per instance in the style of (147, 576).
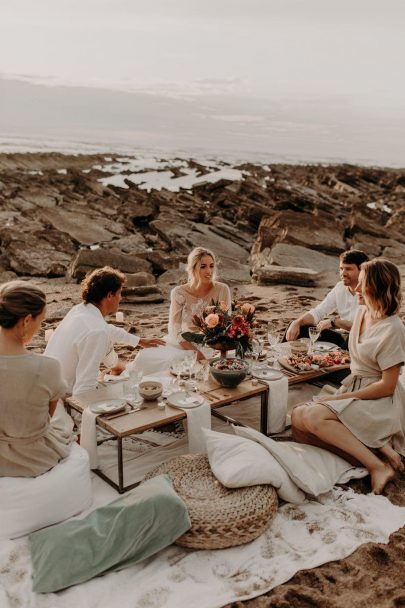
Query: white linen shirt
(82, 340)
(341, 300)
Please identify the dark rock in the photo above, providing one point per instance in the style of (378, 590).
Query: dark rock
(87, 260)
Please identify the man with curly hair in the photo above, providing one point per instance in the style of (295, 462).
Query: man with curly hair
(83, 340)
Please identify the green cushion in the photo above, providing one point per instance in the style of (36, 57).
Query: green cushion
(124, 532)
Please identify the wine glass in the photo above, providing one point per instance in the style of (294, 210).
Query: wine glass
(273, 337)
(313, 333)
(131, 390)
(177, 368)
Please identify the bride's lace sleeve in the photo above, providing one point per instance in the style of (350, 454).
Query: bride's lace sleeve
(225, 295)
(177, 302)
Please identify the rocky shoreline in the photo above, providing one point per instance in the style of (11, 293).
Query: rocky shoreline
(277, 230)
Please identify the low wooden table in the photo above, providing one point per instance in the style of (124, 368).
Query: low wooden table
(150, 417)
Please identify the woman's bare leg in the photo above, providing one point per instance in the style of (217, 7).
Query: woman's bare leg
(310, 439)
(392, 456)
(324, 424)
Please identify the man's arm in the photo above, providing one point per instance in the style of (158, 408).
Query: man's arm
(294, 329)
(121, 336)
(336, 323)
(314, 316)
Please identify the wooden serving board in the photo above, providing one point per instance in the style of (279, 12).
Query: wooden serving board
(283, 361)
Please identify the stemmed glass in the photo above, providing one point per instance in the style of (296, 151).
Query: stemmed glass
(177, 367)
(131, 393)
(273, 337)
(313, 333)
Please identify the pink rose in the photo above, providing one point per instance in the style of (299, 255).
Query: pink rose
(223, 306)
(212, 320)
(247, 308)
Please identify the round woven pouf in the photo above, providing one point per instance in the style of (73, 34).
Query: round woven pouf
(220, 517)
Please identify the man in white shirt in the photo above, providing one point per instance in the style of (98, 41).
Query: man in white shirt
(342, 300)
(83, 340)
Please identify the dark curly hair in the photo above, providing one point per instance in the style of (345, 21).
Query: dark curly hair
(353, 256)
(99, 283)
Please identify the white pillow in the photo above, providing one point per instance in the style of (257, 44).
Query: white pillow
(237, 462)
(30, 503)
(313, 469)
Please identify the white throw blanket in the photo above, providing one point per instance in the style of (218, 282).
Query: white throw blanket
(299, 537)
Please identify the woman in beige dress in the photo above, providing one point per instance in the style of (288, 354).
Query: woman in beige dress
(30, 385)
(365, 420)
(186, 301)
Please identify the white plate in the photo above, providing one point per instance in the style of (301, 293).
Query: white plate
(110, 378)
(108, 407)
(325, 347)
(267, 374)
(185, 400)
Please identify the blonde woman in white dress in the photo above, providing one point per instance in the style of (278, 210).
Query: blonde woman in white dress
(186, 301)
(365, 421)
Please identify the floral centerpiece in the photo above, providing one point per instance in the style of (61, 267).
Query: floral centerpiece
(224, 329)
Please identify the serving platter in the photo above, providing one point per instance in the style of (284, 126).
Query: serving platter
(316, 362)
(324, 347)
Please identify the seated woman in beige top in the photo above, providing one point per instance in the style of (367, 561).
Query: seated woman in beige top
(365, 421)
(30, 385)
(186, 301)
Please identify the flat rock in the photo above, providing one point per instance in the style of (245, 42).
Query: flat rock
(138, 279)
(288, 275)
(321, 232)
(174, 276)
(87, 260)
(80, 227)
(283, 254)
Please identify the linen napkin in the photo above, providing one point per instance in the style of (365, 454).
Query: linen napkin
(88, 436)
(198, 418)
(277, 408)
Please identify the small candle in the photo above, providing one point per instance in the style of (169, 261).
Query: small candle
(48, 334)
(119, 316)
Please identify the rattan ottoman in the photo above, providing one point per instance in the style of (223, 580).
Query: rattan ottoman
(220, 517)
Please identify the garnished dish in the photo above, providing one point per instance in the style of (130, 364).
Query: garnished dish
(230, 364)
(309, 362)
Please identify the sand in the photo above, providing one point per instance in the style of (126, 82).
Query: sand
(374, 575)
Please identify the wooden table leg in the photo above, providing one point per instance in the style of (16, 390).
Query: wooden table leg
(120, 466)
(264, 404)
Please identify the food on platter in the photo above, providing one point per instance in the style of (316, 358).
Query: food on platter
(308, 362)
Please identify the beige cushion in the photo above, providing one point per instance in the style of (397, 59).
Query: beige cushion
(313, 469)
(238, 462)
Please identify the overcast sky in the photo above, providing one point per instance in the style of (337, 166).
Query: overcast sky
(340, 58)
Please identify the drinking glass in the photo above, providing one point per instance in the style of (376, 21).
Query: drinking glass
(257, 348)
(313, 333)
(177, 367)
(131, 389)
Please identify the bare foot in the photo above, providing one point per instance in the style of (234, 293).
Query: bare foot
(380, 477)
(393, 458)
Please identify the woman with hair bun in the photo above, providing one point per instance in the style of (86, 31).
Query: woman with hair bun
(365, 421)
(186, 301)
(30, 385)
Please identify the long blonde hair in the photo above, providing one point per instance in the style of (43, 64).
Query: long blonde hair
(19, 299)
(382, 287)
(194, 258)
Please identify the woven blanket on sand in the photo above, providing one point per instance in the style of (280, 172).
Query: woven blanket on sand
(312, 534)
